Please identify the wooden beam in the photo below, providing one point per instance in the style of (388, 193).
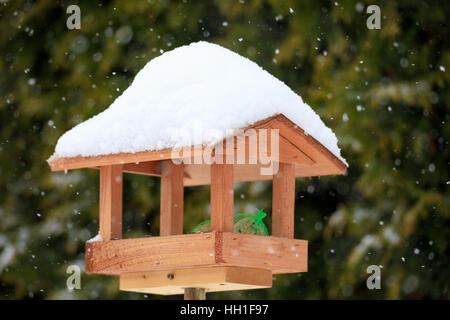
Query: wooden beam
(172, 189)
(148, 254)
(196, 281)
(104, 160)
(222, 197)
(326, 162)
(279, 255)
(283, 201)
(110, 213)
(194, 294)
(200, 174)
(149, 168)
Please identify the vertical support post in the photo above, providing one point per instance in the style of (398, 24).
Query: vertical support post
(171, 216)
(222, 197)
(110, 215)
(283, 201)
(172, 197)
(194, 294)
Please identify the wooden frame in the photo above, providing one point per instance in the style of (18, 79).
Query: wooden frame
(110, 212)
(210, 279)
(172, 199)
(283, 201)
(116, 257)
(222, 197)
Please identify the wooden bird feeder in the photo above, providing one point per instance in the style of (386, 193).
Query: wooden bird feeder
(219, 260)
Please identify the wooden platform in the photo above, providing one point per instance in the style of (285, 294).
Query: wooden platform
(186, 251)
(212, 279)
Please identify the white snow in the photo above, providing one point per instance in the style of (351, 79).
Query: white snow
(97, 238)
(202, 86)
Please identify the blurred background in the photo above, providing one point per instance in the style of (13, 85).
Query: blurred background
(383, 92)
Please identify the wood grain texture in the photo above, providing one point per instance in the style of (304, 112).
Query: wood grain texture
(280, 255)
(326, 163)
(194, 293)
(110, 213)
(148, 168)
(172, 198)
(115, 257)
(193, 280)
(148, 254)
(200, 174)
(283, 201)
(222, 197)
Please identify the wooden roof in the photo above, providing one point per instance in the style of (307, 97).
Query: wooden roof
(310, 157)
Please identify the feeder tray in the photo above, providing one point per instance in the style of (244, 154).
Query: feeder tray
(211, 279)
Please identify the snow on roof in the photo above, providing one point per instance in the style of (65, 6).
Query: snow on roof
(201, 87)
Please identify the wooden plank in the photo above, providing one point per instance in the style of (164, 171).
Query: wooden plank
(79, 162)
(325, 162)
(193, 280)
(104, 160)
(289, 153)
(280, 255)
(200, 174)
(110, 213)
(283, 201)
(222, 197)
(148, 168)
(115, 257)
(194, 294)
(172, 189)
(148, 254)
(257, 147)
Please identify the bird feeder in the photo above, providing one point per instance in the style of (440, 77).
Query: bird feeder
(219, 260)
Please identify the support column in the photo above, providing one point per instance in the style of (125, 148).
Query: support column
(110, 214)
(283, 201)
(194, 294)
(222, 197)
(172, 198)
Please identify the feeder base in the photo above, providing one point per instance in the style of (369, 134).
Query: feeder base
(198, 250)
(212, 279)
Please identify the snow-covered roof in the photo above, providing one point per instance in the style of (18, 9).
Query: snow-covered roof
(201, 87)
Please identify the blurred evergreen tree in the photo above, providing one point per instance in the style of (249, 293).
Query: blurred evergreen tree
(384, 92)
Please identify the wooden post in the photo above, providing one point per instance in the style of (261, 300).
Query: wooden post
(222, 197)
(283, 201)
(110, 215)
(222, 211)
(194, 294)
(172, 189)
(171, 217)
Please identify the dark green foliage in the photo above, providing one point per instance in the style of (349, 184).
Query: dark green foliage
(384, 93)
